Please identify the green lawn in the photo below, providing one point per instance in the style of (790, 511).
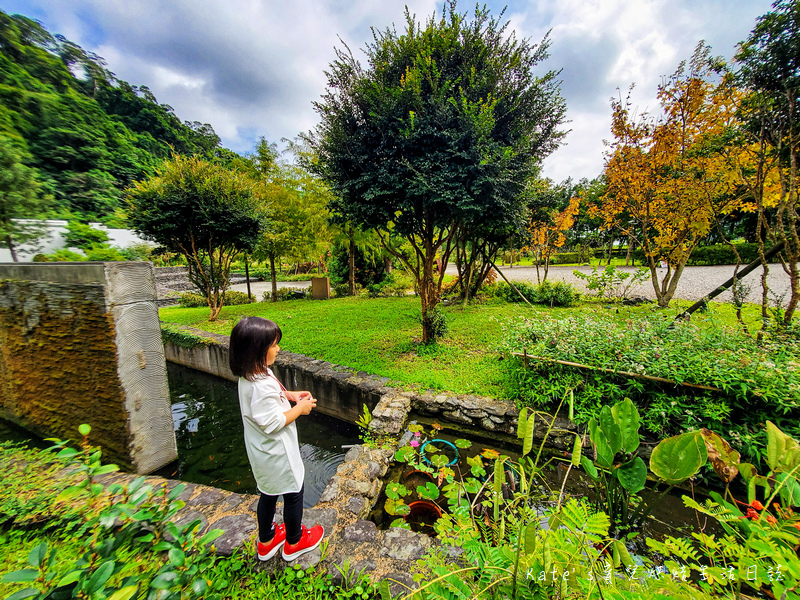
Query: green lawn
(381, 336)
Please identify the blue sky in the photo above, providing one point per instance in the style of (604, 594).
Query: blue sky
(252, 68)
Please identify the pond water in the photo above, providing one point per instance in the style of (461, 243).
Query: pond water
(670, 517)
(210, 437)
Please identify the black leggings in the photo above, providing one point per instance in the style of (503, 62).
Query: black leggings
(292, 516)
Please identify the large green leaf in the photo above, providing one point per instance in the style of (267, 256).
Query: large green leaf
(589, 467)
(627, 417)
(611, 430)
(677, 458)
(605, 456)
(783, 451)
(632, 475)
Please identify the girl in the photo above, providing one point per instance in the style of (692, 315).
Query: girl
(270, 437)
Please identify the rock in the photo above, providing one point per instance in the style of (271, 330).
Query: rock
(400, 583)
(327, 517)
(488, 424)
(402, 544)
(359, 487)
(352, 454)
(361, 531)
(237, 528)
(208, 496)
(356, 504)
(374, 470)
(457, 417)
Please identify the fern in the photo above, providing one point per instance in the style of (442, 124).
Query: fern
(712, 509)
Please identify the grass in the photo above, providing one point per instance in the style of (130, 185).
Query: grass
(381, 336)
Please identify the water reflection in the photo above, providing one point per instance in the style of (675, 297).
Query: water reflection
(208, 431)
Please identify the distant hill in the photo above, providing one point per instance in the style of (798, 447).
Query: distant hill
(87, 133)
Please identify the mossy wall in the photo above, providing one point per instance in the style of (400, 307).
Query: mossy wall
(81, 343)
(59, 359)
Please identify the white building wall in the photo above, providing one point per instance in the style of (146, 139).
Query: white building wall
(54, 240)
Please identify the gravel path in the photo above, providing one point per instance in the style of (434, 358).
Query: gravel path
(695, 282)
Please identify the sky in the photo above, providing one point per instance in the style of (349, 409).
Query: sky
(253, 68)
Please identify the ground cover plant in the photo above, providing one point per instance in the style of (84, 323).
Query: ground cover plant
(380, 335)
(65, 534)
(520, 539)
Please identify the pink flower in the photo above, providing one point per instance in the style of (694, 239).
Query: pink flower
(417, 434)
(414, 443)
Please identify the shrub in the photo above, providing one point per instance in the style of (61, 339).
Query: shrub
(716, 254)
(723, 254)
(550, 293)
(287, 293)
(397, 284)
(230, 298)
(103, 252)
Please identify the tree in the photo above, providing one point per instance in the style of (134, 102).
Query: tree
(202, 210)
(668, 182)
(552, 213)
(440, 131)
(19, 198)
(769, 70)
(296, 204)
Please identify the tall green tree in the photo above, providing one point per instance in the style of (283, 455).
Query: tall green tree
(20, 199)
(204, 211)
(769, 70)
(439, 131)
(296, 203)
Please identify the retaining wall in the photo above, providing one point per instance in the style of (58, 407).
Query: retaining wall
(341, 392)
(81, 343)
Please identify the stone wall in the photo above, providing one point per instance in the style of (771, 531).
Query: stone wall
(341, 392)
(81, 343)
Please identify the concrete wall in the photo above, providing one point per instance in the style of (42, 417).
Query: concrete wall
(81, 343)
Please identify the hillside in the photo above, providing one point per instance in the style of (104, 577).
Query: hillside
(86, 133)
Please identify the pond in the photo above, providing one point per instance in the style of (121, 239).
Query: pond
(210, 438)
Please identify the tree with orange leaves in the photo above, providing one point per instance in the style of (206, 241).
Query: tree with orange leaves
(547, 227)
(668, 183)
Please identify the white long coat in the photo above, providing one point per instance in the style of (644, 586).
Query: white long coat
(272, 446)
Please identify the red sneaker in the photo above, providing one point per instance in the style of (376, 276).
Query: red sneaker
(270, 549)
(309, 539)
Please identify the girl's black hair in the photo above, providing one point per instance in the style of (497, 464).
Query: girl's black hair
(251, 338)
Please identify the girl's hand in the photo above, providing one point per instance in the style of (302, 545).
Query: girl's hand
(305, 403)
(295, 396)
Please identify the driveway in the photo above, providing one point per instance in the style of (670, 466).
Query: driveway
(695, 282)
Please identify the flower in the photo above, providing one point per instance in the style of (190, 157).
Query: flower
(772, 520)
(417, 434)
(757, 505)
(796, 525)
(414, 443)
(752, 514)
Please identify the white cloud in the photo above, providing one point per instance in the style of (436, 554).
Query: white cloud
(252, 68)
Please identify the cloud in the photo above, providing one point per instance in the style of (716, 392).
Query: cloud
(252, 68)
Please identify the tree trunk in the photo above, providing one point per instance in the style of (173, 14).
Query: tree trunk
(11, 248)
(247, 276)
(630, 250)
(428, 298)
(274, 277)
(610, 249)
(351, 278)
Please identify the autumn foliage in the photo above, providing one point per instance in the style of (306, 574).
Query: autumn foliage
(668, 180)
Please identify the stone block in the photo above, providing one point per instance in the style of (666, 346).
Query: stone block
(320, 288)
(361, 531)
(237, 528)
